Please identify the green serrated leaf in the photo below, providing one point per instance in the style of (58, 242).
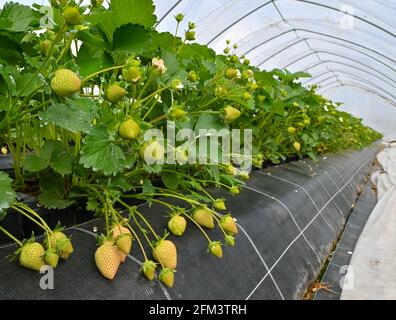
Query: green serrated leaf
(148, 187)
(77, 116)
(170, 180)
(62, 163)
(123, 12)
(120, 182)
(23, 80)
(131, 38)
(101, 154)
(7, 194)
(93, 204)
(53, 192)
(34, 163)
(16, 17)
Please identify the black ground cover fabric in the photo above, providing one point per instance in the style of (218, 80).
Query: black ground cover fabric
(288, 217)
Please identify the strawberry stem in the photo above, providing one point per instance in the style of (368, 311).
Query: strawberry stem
(11, 236)
(93, 75)
(136, 237)
(141, 217)
(199, 227)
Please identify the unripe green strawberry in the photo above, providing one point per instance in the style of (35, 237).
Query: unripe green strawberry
(65, 83)
(291, 130)
(300, 124)
(32, 256)
(179, 17)
(252, 86)
(176, 84)
(51, 258)
(72, 15)
(220, 91)
(246, 62)
(231, 73)
(115, 93)
(246, 96)
(152, 152)
(203, 217)
(60, 242)
(45, 46)
(177, 225)
(247, 74)
(190, 35)
(215, 249)
(167, 277)
(107, 259)
(244, 175)
(129, 129)
(229, 240)
(63, 2)
(226, 50)
(234, 58)
(321, 118)
(307, 121)
(231, 170)
(148, 269)
(261, 98)
(4, 151)
(234, 190)
(231, 114)
(124, 243)
(219, 204)
(297, 146)
(117, 231)
(165, 252)
(192, 76)
(228, 224)
(176, 112)
(132, 74)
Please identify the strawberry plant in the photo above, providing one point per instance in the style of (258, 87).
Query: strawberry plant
(80, 98)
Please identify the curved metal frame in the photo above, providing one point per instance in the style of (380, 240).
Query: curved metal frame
(348, 65)
(303, 39)
(305, 1)
(350, 76)
(352, 15)
(167, 12)
(321, 34)
(358, 85)
(328, 52)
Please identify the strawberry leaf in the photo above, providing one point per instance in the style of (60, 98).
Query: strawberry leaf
(7, 194)
(53, 193)
(102, 154)
(131, 38)
(77, 116)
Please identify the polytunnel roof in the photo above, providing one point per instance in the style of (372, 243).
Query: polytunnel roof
(347, 46)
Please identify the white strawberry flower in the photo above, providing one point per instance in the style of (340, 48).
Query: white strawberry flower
(159, 65)
(158, 98)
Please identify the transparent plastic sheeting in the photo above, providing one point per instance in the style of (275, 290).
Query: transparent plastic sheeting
(346, 45)
(288, 216)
